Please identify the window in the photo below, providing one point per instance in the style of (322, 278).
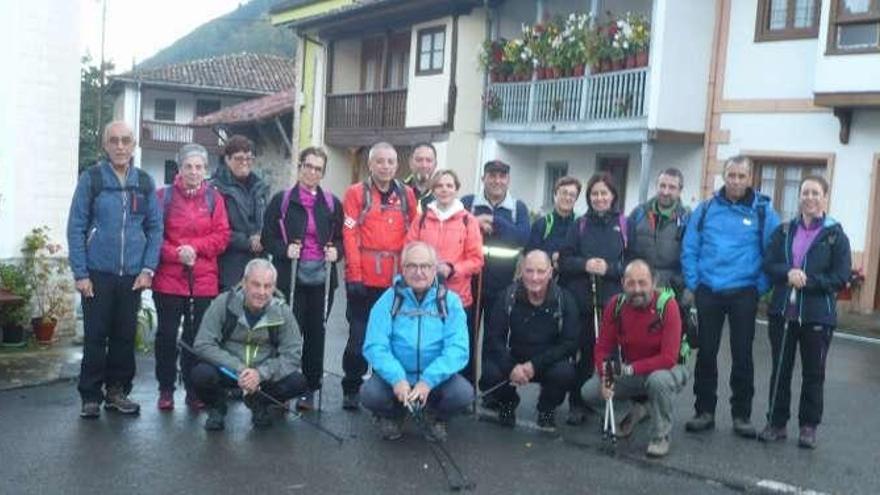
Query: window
(371, 63)
(780, 180)
(170, 171)
(552, 173)
(164, 109)
(787, 19)
(618, 167)
(854, 26)
(204, 107)
(430, 51)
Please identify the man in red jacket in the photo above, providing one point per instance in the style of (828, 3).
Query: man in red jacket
(378, 213)
(647, 337)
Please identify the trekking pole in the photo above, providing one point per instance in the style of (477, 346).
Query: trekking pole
(595, 307)
(478, 340)
(439, 451)
(328, 266)
(792, 300)
(609, 429)
(294, 265)
(232, 375)
(493, 388)
(189, 318)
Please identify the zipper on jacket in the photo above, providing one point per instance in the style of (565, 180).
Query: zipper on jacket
(419, 350)
(122, 236)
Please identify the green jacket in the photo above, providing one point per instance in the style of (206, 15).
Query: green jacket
(249, 347)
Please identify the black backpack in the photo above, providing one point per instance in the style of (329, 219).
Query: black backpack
(96, 183)
(399, 287)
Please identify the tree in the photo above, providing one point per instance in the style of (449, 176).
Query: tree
(90, 95)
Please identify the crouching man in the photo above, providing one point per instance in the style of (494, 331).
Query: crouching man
(416, 342)
(531, 338)
(643, 327)
(252, 333)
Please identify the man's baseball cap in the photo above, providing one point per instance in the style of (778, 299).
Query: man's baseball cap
(496, 166)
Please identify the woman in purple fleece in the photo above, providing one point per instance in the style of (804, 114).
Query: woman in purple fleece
(808, 261)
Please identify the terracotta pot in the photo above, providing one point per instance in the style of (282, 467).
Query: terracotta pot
(631, 61)
(579, 70)
(642, 59)
(618, 64)
(557, 73)
(44, 329)
(845, 294)
(606, 65)
(494, 76)
(596, 68)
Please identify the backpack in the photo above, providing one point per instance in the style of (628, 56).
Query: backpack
(762, 217)
(285, 204)
(442, 312)
(231, 321)
(168, 191)
(96, 183)
(621, 225)
(662, 300)
(512, 214)
(368, 202)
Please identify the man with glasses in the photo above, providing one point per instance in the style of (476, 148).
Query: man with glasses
(246, 195)
(114, 232)
(417, 342)
(378, 213)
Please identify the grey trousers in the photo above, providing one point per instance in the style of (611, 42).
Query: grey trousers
(660, 387)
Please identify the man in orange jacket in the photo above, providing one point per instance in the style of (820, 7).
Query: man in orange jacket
(378, 213)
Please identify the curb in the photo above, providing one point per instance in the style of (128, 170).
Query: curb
(842, 333)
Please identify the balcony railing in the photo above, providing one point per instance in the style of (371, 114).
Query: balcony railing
(602, 97)
(369, 110)
(170, 135)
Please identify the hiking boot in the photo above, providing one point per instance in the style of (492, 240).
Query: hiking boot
(700, 422)
(507, 415)
(166, 400)
(118, 401)
(306, 402)
(636, 415)
(576, 416)
(744, 428)
(260, 416)
(807, 438)
(193, 402)
(491, 403)
(235, 393)
(390, 428)
(658, 447)
(547, 421)
(437, 431)
(90, 410)
(772, 433)
(351, 402)
(216, 417)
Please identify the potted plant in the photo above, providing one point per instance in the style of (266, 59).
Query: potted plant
(14, 313)
(492, 59)
(49, 281)
(640, 38)
(492, 103)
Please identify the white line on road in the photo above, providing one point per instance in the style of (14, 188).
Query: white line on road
(780, 487)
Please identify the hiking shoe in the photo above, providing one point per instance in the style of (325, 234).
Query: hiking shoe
(491, 403)
(351, 402)
(744, 428)
(118, 401)
(90, 410)
(193, 402)
(437, 431)
(390, 428)
(772, 433)
(807, 438)
(658, 447)
(576, 416)
(306, 402)
(547, 421)
(636, 415)
(700, 422)
(166, 400)
(216, 416)
(235, 393)
(260, 416)
(507, 415)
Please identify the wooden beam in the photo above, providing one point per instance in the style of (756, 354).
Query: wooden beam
(863, 99)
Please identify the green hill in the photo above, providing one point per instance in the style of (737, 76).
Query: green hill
(245, 29)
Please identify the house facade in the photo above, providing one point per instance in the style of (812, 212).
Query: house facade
(159, 104)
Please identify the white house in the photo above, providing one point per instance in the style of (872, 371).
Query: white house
(160, 103)
(39, 128)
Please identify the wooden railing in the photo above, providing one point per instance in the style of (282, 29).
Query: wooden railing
(374, 109)
(170, 135)
(608, 96)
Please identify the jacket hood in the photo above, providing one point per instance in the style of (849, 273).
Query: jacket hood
(224, 180)
(456, 207)
(757, 198)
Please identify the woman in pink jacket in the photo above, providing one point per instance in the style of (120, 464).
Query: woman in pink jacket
(446, 225)
(196, 232)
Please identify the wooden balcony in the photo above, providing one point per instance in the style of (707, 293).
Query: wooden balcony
(368, 110)
(171, 136)
(592, 102)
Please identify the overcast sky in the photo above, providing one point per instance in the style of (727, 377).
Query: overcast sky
(137, 29)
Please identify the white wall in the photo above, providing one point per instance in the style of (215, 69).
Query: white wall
(427, 98)
(681, 46)
(153, 162)
(818, 133)
(39, 131)
(185, 109)
(844, 73)
(770, 69)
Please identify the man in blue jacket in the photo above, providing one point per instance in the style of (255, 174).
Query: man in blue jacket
(721, 259)
(114, 232)
(416, 342)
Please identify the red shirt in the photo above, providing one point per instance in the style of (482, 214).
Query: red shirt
(647, 343)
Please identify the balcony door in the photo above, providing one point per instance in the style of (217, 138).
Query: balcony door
(385, 62)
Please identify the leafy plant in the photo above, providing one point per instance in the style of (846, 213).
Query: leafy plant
(14, 279)
(492, 103)
(47, 275)
(146, 324)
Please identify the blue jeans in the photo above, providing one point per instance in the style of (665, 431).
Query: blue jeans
(445, 400)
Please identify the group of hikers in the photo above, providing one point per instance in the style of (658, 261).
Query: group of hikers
(449, 295)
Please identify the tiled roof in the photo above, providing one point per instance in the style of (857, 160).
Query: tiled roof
(254, 110)
(244, 72)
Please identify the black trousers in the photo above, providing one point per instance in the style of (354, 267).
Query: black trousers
(353, 363)
(814, 341)
(739, 307)
(555, 382)
(308, 302)
(110, 324)
(583, 360)
(170, 309)
(211, 385)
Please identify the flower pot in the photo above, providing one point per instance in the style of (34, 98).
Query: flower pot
(579, 70)
(642, 59)
(596, 68)
(494, 77)
(631, 61)
(13, 334)
(44, 329)
(557, 73)
(606, 65)
(845, 294)
(618, 64)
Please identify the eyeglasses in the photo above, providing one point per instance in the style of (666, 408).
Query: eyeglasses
(117, 140)
(313, 168)
(242, 158)
(422, 267)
